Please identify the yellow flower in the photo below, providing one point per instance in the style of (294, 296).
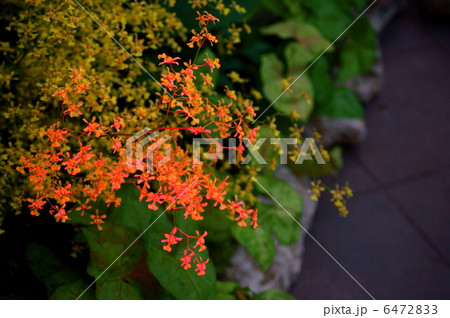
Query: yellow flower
(235, 77)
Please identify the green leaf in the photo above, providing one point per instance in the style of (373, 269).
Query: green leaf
(322, 82)
(282, 191)
(226, 290)
(354, 4)
(107, 245)
(293, 99)
(297, 58)
(117, 289)
(274, 294)
(217, 224)
(359, 51)
(111, 246)
(73, 290)
(329, 17)
(343, 104)
(258, 243)
(282, 8)
(313, 170)
(166, 266)
(274, 217)
(332, 101)
(307, 35)
(271, 67)
(48, 268)
(131, 213)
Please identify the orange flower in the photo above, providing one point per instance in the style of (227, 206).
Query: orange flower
(168, 59)
(201, 241)
(207, 79)
(98, 220)
(171, 239)
(198, 130)
(73, 109)
(81, 87)
(205, 18)
(76, 73)
(61, 214)
(93, 127)
(62, 194)
(254, 221)
(118, 123)
(186, 260)
(201, 267)
(56, 136)
(212, 63)
(35, 205)
(83, 207)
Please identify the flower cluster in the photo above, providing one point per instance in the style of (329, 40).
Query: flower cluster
(339, 198)
(190, 254)
(316, 189)
(84, 158)
(339, 195)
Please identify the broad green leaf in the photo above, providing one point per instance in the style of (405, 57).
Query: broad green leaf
(117, 289)
(271, 67)
(111, 246)
(322, 82)
(131, 213)
(226, 290)
(107, 245)
(330, 17)
(297, 58)
(343, 104)
(258, 243)
(274, 294)
(73, 290)
(359, 51)
(283, 226)
(274, 217)
(48, 268)
(332, 101)
(354, 4)
(307, 35)
(282, 191)
(299, 97)
(217, 224)
(311, 169)
(166, 266)
(282, 8)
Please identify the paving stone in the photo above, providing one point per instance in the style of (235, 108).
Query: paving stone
(408, 129)
(427, 202)
(378, 247)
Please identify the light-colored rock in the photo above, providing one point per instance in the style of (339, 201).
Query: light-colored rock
(287, 262)
(367, 86)
(384, 11)
(340, 130)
